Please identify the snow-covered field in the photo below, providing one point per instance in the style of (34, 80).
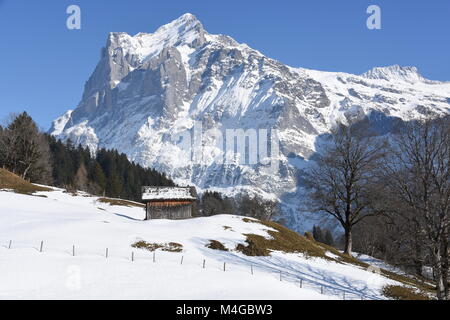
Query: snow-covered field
(63, 221)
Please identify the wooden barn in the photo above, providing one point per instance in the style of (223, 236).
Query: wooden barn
(168, 202)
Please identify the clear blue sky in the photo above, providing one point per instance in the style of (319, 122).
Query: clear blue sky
(43, 65)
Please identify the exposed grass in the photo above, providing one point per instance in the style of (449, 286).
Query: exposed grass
(120, 202)
(13, 182)
(282, 239)
(170, 247)
(285, 240)
(216, 245)
(403, 293)
(309, 236)
(410, 281)
(227, 228)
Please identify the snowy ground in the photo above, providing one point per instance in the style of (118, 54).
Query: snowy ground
(62, 221)
(377, 263)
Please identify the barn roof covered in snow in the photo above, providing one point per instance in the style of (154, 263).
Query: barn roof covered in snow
(167, 193)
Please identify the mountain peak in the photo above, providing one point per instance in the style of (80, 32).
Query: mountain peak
(407, 74)
(187, 17)
(186, 25)
(187, 30)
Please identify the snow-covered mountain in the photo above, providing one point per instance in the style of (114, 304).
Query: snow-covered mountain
(149, 90)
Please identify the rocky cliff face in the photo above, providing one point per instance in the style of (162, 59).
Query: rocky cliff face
(150, 90)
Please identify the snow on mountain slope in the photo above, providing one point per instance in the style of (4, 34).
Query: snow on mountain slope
(150, 90)
(63, 220)
(397, 73)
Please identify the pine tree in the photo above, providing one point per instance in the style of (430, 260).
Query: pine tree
(25, 150)
(99, 178)
(328, 238)
(317, 234)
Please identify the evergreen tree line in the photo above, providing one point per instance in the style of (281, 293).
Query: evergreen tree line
(107, 173)
(41, 158)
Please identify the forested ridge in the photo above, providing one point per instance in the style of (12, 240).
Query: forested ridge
(40, 158)
(108, 172)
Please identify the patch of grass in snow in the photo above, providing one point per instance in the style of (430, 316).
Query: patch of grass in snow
(120, 202)
(170, 247)
(281, 239)
(420, 284)
(216, 245)
(10, 181)
(403, 293)
(285, 240)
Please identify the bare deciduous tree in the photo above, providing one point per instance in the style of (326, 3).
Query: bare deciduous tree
(417, 177)
(343, 181)
(258, 208)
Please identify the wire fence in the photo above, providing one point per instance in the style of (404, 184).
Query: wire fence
(180, 258)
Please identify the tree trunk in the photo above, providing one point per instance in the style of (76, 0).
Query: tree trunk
(439, 277)
(348, 242)
(445, 266)
(418, 266)
(24, 175)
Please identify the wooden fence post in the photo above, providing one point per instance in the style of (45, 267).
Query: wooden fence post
(280, 275)
(251, 268)
(301, 283)
(73, 250)
(132, 255)
(154, 257)
(321, 289)
(204, 263)
(42, 244)
(10, 242)
(106, 253)
(224, 267)
(182, 257)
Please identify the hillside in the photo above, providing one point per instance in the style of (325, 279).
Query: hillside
(100, 248)
(10, 181)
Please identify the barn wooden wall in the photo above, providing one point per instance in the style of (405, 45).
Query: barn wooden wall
(169, 210)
